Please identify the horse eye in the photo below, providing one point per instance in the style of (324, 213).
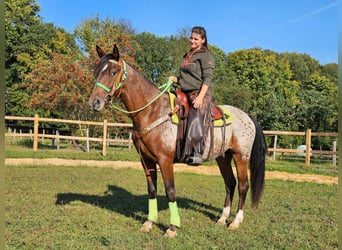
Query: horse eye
(113, 73)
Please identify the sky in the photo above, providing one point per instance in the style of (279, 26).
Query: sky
(301, 26)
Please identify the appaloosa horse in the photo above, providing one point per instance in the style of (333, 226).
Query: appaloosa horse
(155, 137)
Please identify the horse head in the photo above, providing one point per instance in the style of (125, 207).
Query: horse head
(109, 73)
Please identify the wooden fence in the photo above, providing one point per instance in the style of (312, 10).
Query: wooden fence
(105, 140)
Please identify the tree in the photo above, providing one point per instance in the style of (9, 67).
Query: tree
(302, 66)
(106, 33)
(268, 78)
(227, 89)
(28, 41)
(154, 57)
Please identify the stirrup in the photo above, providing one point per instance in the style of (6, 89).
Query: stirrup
(195, 160)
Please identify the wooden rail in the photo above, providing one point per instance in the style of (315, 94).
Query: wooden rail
(104, 140)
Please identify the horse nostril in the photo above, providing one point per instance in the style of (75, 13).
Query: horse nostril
(95, 104)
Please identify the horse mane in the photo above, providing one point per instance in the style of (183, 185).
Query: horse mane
(104, 60)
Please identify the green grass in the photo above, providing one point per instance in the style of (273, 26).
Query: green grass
(23, 149)
(50, 207)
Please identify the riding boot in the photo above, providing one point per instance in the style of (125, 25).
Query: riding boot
(196, 132)
(195, 159)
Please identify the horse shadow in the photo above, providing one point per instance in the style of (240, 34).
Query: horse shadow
(119, 200)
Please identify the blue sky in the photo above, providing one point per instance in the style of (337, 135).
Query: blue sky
(303, 26)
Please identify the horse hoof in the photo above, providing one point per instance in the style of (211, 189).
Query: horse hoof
(170, 234)
(221, 223)
(233, 226)
(147, 226)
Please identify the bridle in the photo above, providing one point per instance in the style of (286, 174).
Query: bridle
(117, 88)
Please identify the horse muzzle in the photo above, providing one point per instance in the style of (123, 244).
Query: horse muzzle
(96, 104)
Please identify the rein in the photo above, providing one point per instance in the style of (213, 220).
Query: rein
(118, 85)
(166, 87)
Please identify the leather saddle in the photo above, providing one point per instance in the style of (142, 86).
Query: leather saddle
(183, 103)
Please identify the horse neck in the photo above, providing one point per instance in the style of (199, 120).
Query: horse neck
(138, 92)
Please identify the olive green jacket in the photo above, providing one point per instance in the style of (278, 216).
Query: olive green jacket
(197, 69)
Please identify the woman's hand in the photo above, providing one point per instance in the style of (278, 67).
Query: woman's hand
(173, 78)
(198, 101)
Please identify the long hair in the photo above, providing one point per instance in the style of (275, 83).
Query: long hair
(202, 32)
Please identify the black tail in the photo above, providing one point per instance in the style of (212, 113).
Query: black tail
(257, 163)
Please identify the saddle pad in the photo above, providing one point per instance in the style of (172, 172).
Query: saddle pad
(227, 114)
(174, 117)
(217, 123)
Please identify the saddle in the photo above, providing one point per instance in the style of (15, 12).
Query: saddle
(182, 101)
(218, 115)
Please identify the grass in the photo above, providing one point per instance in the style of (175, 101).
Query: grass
(101, 208)
(286, 163)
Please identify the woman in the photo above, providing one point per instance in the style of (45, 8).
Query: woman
(195, 79)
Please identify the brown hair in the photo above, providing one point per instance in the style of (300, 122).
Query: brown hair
(202, 32)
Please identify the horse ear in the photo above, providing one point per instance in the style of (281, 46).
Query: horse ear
(100, 52)
(116, 53)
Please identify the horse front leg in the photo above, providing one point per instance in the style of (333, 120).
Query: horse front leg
(151, 178)
(168, 177)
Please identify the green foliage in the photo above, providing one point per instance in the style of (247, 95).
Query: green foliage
(60, 84)
(106, 33)
(28, 41)
(154, 57)
(268, 79)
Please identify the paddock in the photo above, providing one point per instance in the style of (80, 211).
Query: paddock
(86, 207)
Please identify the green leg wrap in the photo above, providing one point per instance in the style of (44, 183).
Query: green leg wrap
(174, 215)
(152, 210)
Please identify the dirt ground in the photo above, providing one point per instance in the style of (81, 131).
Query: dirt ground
(330, 180)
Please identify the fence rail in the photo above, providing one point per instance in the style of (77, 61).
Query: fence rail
(106, 141)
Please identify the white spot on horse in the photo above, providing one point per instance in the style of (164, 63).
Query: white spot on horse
(225, 214)
(104, 68)
(237, 221)
(112, 61)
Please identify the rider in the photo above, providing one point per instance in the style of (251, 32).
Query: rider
(195, 80)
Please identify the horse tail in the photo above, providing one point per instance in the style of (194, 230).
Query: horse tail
(257, 163)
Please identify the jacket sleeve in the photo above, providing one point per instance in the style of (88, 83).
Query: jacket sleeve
(208, 65)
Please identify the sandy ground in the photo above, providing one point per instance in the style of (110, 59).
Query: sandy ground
(330, 180)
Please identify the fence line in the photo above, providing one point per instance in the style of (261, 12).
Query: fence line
(105, 141)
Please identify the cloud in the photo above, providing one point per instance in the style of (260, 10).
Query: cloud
(312, 13)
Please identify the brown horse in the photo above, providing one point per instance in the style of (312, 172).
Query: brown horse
(155, 139)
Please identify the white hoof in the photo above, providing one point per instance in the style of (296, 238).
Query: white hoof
(237, 221)
(225, 214)
(147, 226)
(221, 222)
(170, 234)
(233, 225)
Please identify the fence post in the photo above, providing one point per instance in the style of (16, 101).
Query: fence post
(57, 139)
(87, 142)
(35, 133)
(14, 135)
(130, 140)
(308, 147)
(104, 140)
(274, 147)
(334, 153)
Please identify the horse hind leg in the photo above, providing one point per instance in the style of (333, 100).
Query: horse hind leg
(225, 166)
(241, 169)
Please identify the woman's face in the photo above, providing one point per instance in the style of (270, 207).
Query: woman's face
(196, 41)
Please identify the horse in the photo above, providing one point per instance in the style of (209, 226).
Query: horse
(155, 136)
